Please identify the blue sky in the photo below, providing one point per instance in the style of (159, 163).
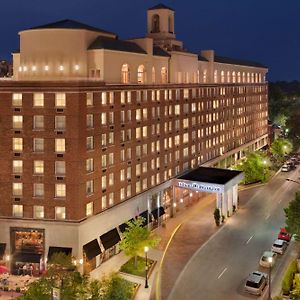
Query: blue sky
(265, 31)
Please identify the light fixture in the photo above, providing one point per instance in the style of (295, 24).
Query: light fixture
(61, 68)
(181, 200)
(81, 261)
(174, 204)
(191, 194)
(20, 69)
(46, 68)
(76, 67)
(7, 258)
(33, 68)
(24, 68)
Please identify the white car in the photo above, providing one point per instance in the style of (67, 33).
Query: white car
(285, 168)
(266, 257)
(279, 246)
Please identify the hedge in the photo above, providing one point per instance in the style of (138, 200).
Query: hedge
(288, 277)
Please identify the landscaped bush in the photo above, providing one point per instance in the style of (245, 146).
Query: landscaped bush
(138, 270)
(288, 277)
(277, 298)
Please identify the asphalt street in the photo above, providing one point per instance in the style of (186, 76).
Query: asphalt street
(218, 270)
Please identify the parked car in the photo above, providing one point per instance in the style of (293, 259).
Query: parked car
(279, 246)
(295, 160)
(256, 283)
(291, 164)
(264, 260)
(285, 168)
(284, 235)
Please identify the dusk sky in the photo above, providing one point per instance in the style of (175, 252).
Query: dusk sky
(265, 31)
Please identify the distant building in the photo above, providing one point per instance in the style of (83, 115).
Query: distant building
(95, 130)
(5, 68)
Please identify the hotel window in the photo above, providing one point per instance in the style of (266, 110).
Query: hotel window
(128, 153)
(103, 98)
(122, 116)
(89, 187)
(60, 167)
(111, 97)
(17, 144)
(89, 165)
(89, 209)
(38, 212)
(122, 175)
(138, 115)
(185, 93)
(103, 139)
(185, 152)
(60, 99)
(103, 182)
(89, 99)
(38, 167)
(17, 166)
(122, 194)
(125, 74)
(144, 183)
(145, 167)
(104, 161)
(111, 117)
(89, 121)
(129, 97)
(138, 151)
(138, 170)
(103, 202)
(89, 143)
(60, 122)
(186, 138)
(164, 75)
(177, 110)
(145, 133)
(145, 114)
(138, 187)
(128, 192)
(239, 77)
(38, 190)
(17, 189)
(110, 159)
(138, 133)
(38, 144)
(17, 122)
(17, 99)
(215, 76)
(233, 77)
(38, 100)
(60, 145)
(60, 190)
(38, 122)
(17, 211)
(111, 179)
(111, 138)
(145, 149)
(60, 212)
(129, 173)
(141, 74)
(111, 199)
(103, 118)
(123, 99)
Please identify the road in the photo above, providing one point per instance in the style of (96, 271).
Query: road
(218, 270)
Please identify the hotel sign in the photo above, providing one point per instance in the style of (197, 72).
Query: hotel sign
(201, 186)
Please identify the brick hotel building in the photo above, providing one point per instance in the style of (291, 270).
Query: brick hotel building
(94, 130)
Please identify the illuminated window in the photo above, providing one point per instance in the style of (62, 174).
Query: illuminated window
(60, 122)
(38, 122)
(164, 75)
(89, 209)
(38, 99)
(89, 121)
(89, 165)
(60, 167)
(38, 190)
(111, 199)
(122, 194)
(111, 179)
(103, 182)
(60, 145)
(153, 75)
(222, 76)
(103, 118)
(60, 99)
(215, 76)
(125, 74)
(204, 76)
(38, 212)
(89, 143)
(17, 189)
(233, 77)
(38, 167)
(103, 202)
(38, 144)
(17, 99)
(60, 190)
(17, 144)
(60, 213)
(17, 211)
(17, 166)
(141, 74)
(89, 187)
(89, 99)
(17, 122)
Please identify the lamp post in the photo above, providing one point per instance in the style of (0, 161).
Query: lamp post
(146, 266)
(270, 260)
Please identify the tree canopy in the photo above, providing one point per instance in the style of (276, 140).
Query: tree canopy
(292, 214)
(281, 147)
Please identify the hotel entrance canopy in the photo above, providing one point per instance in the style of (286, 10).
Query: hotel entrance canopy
(210, 180)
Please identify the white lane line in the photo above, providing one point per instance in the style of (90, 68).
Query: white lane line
(250, 238)
(222, 273)
(268, 216)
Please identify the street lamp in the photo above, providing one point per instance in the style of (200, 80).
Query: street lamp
(146, 249)
(270, 260)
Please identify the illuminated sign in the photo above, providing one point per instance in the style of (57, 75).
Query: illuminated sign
(203, 187)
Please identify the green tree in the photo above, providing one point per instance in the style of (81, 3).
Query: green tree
(38, 290)
(281, 119)
(281, 147)
(292, 215)
(136, 237)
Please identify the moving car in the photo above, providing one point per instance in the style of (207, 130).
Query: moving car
(284, 235)
(279, 246)
(256, 283)
(264, 260)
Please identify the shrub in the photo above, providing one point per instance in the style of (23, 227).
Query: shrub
(287, 281)
(277, 298)
(217, 216)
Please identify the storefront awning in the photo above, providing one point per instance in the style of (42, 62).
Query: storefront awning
(123, 226)
(147, 217)
(27, 257)
(110, 238)
(158, 212)
(2, 249)
(92, 249)
(52, 250)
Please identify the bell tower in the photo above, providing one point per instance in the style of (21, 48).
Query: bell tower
(160, 23)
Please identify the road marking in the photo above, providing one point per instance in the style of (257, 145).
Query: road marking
(268, 216)
(222, 273)
(250, 238)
